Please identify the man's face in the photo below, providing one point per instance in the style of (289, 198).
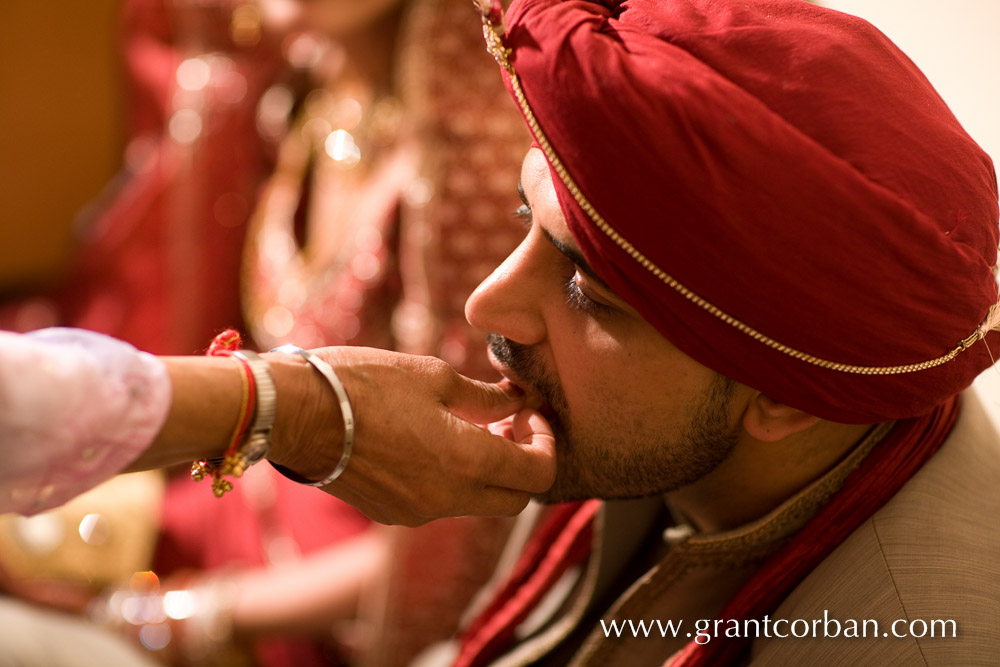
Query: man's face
(633, 416)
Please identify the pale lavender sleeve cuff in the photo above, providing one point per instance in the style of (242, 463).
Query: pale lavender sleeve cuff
(76, 408)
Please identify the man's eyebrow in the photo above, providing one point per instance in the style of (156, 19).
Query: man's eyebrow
(573, 255)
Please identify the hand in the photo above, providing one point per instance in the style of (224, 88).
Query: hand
(419, 453)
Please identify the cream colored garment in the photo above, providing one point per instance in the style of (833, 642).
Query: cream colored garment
(76, 407)
(933, 552)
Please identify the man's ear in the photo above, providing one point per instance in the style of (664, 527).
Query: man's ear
(767, 420)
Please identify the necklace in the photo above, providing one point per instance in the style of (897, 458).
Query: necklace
(317, 244)
(341, 130)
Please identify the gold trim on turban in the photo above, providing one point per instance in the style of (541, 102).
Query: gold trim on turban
(494, 30)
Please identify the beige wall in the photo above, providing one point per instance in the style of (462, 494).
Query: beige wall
(957, 45)
(60, 127)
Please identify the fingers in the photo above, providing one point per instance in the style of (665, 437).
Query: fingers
(482, 402)
(530, 427)
(461, 468)
(465, 499)
(527, 460)
(504, 428)
(478, 473)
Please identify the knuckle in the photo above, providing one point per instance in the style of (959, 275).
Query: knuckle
(433, 506)
(440, 372)
(434, 366)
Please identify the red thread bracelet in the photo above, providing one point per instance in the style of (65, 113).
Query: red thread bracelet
(231, 463)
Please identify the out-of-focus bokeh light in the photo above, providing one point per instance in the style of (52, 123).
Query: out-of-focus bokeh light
(179, 605)
(304, 50)
(41, 534)
(185, 126)
(365, 265)
(155, 637)
(341, 148)
(245, 28)
(94, 529)
(278, 321)
(273, 110)
(194, 74)
(348, 113)
(144, 582)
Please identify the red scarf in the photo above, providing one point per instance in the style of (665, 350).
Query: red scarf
(563, 539)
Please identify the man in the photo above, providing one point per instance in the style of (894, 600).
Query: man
(759, 272)
(760, 269)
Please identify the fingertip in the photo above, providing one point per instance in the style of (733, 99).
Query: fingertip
(528, 424)
(534, 433)
(525, 464)
(512, 390)
(503, 428)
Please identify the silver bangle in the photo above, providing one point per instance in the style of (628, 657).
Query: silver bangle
(345, 410)
(258, 442)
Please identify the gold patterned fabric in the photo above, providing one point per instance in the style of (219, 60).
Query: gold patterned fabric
(406, 233)
(381, 247)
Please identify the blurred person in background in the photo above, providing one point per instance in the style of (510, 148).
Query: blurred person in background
(159, 250)
(390, 201)
(387, 207)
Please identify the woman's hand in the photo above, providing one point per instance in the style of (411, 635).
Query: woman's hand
(419, 452)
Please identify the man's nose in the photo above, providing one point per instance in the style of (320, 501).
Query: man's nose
(508, 301)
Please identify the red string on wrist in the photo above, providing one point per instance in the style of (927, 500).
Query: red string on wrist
(231, 463)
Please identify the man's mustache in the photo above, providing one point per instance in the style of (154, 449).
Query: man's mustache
(507, 352)
(521, 360)
(526, 368)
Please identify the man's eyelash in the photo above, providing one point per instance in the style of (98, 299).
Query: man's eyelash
(576, 298)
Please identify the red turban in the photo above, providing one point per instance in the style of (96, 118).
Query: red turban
(774, 186)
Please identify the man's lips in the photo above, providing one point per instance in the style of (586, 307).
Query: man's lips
(531, 398)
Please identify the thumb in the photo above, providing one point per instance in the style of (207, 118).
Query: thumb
(482, 402)
(530, 465)
(530, 427)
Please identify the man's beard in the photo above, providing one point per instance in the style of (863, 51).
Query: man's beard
(622, 461)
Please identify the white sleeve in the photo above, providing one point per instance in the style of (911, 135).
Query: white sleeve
(76, 407)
